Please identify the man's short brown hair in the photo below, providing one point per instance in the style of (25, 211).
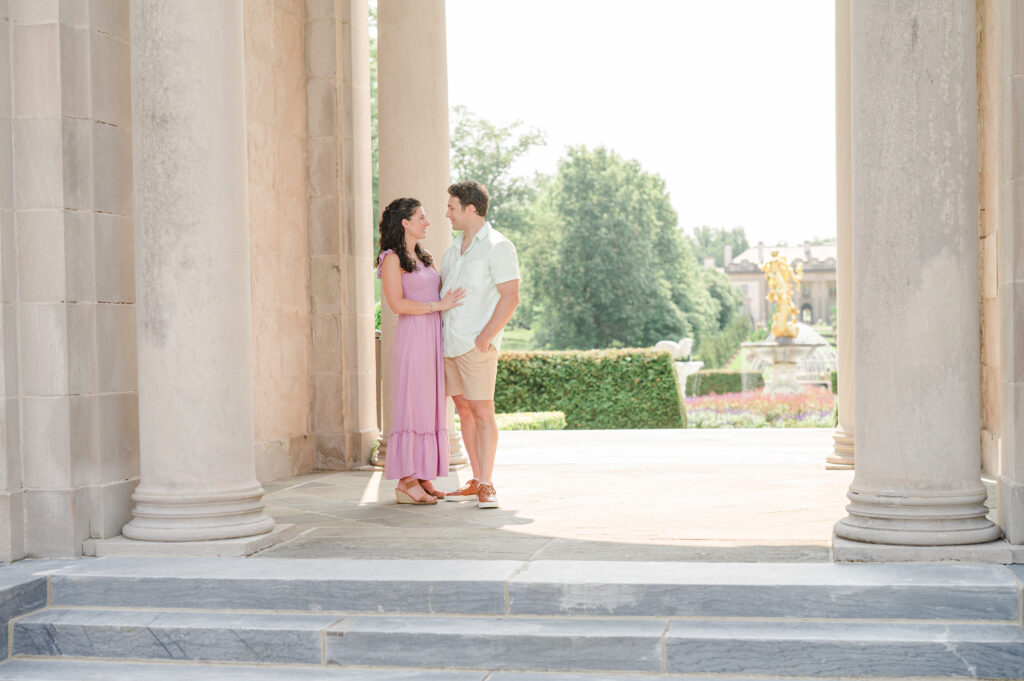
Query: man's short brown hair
(471, 193)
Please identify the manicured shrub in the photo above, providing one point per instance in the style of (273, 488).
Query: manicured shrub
(595, 389)
(532, 420)
(718, 348)
(722, 382)
(835, 382)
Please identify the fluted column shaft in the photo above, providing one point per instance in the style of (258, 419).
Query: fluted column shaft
(842, 453)
(192, 274)
(915, 234)
(412, 115)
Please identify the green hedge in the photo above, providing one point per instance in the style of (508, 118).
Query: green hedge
(595, 389)
(532, 420)
(721, 382)
(717, 349)
(834, 380)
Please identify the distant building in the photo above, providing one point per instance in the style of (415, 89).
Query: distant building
(816, 298)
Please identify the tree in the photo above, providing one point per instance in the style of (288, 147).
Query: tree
(710, 242)
(616, 269)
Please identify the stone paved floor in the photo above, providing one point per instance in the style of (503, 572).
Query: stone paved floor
(715, 495)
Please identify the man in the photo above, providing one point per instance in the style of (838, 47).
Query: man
(484, 263)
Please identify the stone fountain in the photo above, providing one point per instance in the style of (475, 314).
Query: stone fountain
(681, 356)
(781, 352)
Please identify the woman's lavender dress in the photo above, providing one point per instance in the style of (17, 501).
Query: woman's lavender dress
(418, 441)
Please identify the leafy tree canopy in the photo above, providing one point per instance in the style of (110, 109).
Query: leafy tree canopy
(618, 272)
(710, 242)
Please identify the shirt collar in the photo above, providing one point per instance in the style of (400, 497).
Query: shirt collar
(484, 231)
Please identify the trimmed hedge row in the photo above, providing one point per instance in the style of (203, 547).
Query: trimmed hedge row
(721, 382)
(595, 389)
(532, 420)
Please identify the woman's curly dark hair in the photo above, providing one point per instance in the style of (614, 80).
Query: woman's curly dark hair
(392, 234)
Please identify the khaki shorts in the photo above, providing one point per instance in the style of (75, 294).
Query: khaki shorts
(472, 374)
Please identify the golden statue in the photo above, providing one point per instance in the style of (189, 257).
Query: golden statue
(782, 279)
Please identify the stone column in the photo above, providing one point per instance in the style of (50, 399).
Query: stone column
(1009, 17)
(841, 457)
(915, 210)
(341, 233)
(192, 275)
(413, 142)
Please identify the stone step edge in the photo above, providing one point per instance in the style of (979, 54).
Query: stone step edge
(550, 587)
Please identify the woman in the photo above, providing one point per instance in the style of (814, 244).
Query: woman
(417, 450)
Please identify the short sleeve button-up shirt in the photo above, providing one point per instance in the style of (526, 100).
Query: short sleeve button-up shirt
(490, 260)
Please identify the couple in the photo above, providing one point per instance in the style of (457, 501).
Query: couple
(445, 344)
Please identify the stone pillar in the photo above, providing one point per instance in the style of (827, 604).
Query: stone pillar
(413, 142)
(1010, 18)
(841, 457)
(915, 209)
(341, 233)
(192, 275)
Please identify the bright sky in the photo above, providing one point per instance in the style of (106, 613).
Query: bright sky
(732, 102)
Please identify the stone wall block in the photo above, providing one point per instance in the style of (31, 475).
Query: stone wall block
(112, 169)
(328, 403)
(259, 89)
(110, 67)
(115, 348)
(38, 163)
(43, 343)
(990, 332)
(6, 67)
(320, 48)
(988, 263)
(284, 458)
(323, 226)
(74, 13)
(289, 164)
(83, 439)
(10, 349)
(111, 507)
(321, 103)
(79, 256)
(81, 326)
(40, 254)
(330, 451)
(290, 103)
(46, 445)
(110, 17)
(262, 156)
(325, 284)
(115, 258)
(289, 37)
(118, 439)
(258, 19)
(37, 69)
(326, 344)
(35, 11)
(8, 257)
(6, 165)
(12, 470)
(319, 9)
(78, 148)
(293, 221)
(56, 522)
(12, 520)
(323, 167)
(76, 81)
(1014, 250)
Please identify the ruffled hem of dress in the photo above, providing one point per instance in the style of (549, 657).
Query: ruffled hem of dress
(423, 455)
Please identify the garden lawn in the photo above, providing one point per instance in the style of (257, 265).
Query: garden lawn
(814, 408)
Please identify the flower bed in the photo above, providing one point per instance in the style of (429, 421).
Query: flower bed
(814, 408)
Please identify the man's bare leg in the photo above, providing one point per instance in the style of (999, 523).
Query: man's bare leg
(486, 427)
(468, 428)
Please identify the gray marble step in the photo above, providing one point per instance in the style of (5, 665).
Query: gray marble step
(834, 649)
(168, 635)
(592, 588)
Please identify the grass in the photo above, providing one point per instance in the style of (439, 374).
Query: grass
(519, 340)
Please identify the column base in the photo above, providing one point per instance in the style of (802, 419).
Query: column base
(1011, 509)
(995, 552)
(220, 548)
(204, 516)
(929, 519)
(841, 458)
